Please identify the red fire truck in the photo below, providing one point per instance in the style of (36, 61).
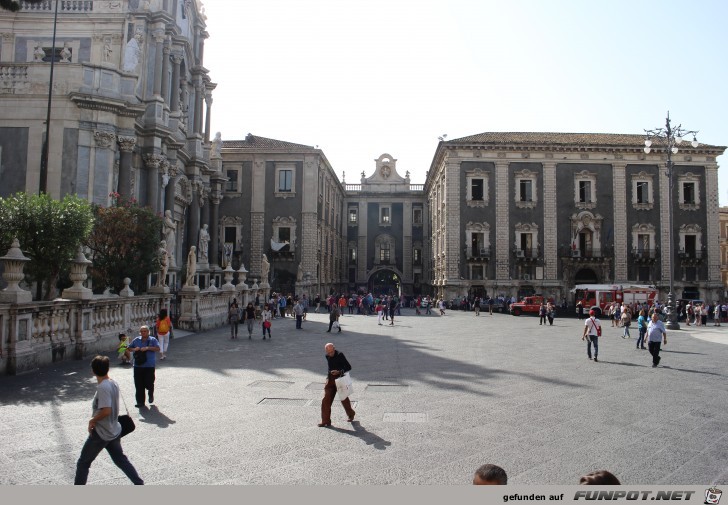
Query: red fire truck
(602, 295)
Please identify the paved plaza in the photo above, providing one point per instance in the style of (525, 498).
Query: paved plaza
(435, 398)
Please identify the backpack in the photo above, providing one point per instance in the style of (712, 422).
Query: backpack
(163, 326)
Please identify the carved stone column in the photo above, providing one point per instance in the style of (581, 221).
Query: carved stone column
(208, 111)
(621, 244)
(169, 191)
(193, 220)
(126, 146)
(158, 60)
(199, 95)
(153, 163)
(174, 92)
(165, 71)
(215, 199)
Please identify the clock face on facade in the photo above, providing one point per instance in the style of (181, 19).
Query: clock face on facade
(385, 171)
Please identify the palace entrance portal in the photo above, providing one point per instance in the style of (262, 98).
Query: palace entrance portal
(385, 282)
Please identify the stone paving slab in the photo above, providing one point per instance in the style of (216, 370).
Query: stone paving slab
(496, 389)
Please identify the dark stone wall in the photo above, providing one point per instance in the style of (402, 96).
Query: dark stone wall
(13, 160)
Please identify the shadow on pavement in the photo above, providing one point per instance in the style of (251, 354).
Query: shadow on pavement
(366, 436)
(153, 415)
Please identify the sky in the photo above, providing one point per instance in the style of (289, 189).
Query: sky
(363, 78)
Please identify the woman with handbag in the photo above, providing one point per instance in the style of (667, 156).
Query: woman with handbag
(267, 321)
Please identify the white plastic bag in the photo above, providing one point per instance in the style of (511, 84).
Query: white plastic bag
(344, 387)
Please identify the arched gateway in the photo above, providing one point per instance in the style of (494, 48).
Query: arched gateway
(385, 282)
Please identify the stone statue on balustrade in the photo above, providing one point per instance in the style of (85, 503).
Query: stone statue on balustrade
(191, 267)
(170, 236)
(203, 244)
(216, 147)
(265, 269)
(163, 255)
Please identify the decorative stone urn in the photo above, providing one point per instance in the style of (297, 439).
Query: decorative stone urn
(78, 275)
(229, 274)
(14, 262)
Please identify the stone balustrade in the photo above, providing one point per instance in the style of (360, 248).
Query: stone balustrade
(36, 334)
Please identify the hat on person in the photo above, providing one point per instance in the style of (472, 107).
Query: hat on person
(592, 313)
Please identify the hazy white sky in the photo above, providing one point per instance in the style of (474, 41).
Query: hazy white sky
(361, 78)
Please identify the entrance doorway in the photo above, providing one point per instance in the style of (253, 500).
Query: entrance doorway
(385, 282)
(586, 276)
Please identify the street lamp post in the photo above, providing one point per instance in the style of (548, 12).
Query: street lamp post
(670, 137)
(43, 185)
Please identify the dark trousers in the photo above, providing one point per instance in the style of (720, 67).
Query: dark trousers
(331, 324)
(93, 446)
(591, 339)
(654, 348)
(299, 321)
(143, 379)
(329, 393)
(234, 328)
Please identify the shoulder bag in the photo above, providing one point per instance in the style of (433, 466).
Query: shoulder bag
(125, 420)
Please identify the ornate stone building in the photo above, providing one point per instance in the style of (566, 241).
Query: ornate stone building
(723, 219)
(518, 213)
(130, 93)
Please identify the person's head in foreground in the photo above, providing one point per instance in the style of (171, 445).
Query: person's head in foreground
(490, 475)
(599, 478)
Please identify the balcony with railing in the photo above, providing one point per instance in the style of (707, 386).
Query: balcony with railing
(64, 6)
(529, 255)
(480, 253)
(691, 257)
(645, 256)
(590, 255)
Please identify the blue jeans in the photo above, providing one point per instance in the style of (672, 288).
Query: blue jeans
(641, 339)
(93, 446)
(591, 339)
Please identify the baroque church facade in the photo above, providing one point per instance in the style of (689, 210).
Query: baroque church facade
(498, 213)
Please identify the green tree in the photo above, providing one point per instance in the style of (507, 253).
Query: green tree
(124, 243)
(49, 232)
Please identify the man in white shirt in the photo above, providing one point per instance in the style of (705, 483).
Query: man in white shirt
(656, 330)
(592, 331)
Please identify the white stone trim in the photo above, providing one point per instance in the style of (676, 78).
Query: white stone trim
(691, 229)
(285, 222)
(281, 167)
(688, 178)
(643, 229)
(642, 178)
(591, 178)
(473, 175)
(527, 229)
(378, 242)
(388, 208)
(526, 175)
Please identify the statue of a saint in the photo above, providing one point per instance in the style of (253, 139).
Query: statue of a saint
(216, 147)
(133, 52)
(107, 51)
(265, 268)
(191, 266)
(170, 236)
(299, 274)
(163, 264)
(203, 241)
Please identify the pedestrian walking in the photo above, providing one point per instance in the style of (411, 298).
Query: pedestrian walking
(334, 318)
(393, 304)
(163, 325)
(550, 313)
(476, 305)
(103, 427)
(626, 322)
(267, 321)
(338, 365)
(592, 332)
(542, 314)
(380, 312)
(441, 304)
(249, 318)
(298, 312)
(656, 332)
(145, 349)
(234, 319)
(642, 328)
